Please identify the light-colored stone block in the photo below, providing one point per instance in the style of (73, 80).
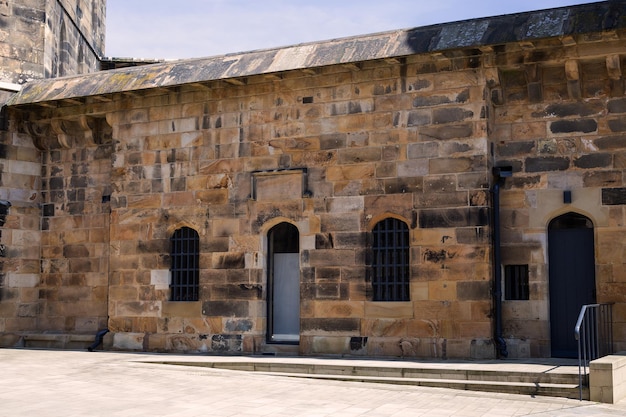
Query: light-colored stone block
(23, 280)
(607, 379)
(128, 341)
(400, 309)
(160, 278)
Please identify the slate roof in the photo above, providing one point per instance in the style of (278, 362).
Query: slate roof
(560, 22)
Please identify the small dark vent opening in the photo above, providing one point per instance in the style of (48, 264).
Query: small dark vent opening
(307, 100)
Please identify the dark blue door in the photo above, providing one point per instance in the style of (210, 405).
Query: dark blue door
(572, 278)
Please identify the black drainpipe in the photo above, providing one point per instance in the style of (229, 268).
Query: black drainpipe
(499, 174)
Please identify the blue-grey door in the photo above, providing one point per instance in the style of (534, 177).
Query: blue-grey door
(284, 284)
(572, 278)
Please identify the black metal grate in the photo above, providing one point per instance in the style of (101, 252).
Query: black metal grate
(390, 262)
(185, 256)
(516, 282)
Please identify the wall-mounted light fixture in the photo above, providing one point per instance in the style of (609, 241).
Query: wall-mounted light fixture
(567, 197)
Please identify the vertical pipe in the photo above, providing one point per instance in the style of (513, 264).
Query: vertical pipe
(501, 349)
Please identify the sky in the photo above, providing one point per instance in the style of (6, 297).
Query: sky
(178, 29)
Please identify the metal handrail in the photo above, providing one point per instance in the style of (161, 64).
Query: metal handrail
(594, 334)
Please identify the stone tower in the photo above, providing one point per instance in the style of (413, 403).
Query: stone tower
(50, 38)
(38, 39)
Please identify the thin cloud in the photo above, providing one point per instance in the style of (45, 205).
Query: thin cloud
(196, 28)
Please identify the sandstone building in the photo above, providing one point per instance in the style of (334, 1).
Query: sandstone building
(457, 190)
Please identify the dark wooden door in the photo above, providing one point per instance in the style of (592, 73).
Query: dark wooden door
(572, 278)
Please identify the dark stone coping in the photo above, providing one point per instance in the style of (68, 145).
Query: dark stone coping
(497, 30)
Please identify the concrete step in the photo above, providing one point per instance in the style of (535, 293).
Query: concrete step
(545, 380)
(514, 387)
(56, 341)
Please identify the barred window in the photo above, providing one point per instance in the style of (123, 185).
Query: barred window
(390, 261)
(185, 254)
(516, 282)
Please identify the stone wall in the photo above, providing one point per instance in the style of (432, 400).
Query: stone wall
(373, 145)
(42, 39)
(331, 150)
(20, 175)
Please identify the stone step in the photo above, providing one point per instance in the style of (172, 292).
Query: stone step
(400, 372)
(57, 341)
(548, 381)
(523, 388)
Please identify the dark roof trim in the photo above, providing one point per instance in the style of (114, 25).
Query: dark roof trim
(571, 20)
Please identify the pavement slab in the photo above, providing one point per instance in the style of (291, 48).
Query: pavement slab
(76, 383)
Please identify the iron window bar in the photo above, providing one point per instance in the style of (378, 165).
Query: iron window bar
(185, 254)
(516, 282)
(390, 265)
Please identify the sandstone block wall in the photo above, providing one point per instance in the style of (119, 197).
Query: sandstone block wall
(20, 238)
(332, 150)
(41, 39)
(560, 125)
(401, 139)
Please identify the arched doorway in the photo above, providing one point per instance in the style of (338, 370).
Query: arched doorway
(283, 284)
(572, 278)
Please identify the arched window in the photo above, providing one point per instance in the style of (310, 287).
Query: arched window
(185, 255)
(390, 261)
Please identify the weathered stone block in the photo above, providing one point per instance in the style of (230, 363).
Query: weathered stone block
(451, 115)
(440, 184)
(401, 204)
(350, 240)
(339, 222)
(422, 150)
(442, 290)
(508, 149)
(237, 291)
(359, 155)
(611, 142)
(128, 341)
(333, 141)
(463, 130)
(138, 309)
(329, 345)
(617, 125)
(602, 178)
(458, 164)
(225, 308)
(617, 105)
(418, 118)
(472, 290)
(181, 308)
(388, 310)
(574, 126)
(596, 160)
(546, 163)
(350, 172)
(391, 328)
(613, 196)
(229, 261)
(460, 217)
(403, 185)
(336, 326)
(579, 108)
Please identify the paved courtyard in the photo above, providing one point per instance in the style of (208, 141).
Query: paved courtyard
(76, 383)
